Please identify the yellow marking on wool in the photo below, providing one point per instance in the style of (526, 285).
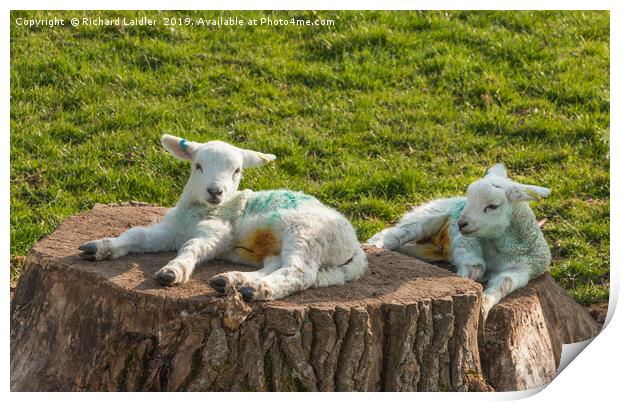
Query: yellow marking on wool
(434, 248)
(258, 245)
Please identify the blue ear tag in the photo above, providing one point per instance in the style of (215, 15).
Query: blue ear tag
(183, 144)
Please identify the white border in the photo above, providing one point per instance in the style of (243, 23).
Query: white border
(314, 5)
(591, 376)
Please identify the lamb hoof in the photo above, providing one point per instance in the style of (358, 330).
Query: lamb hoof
(89, 251)
(165, 278)
(90, 247)
(88, 257)
(219, 284)
(247, 293)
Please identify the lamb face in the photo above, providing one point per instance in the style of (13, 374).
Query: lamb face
(216, 167)
(491, 201)
(487, 211)
(215, 173)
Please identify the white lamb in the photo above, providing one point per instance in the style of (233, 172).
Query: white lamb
(297, 241)
(492, 235)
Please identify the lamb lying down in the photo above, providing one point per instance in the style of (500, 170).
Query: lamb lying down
(295, 240)
(491, 236)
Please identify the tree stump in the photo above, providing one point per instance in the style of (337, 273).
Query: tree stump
(524, 334)
(405, 325)
(79, 325)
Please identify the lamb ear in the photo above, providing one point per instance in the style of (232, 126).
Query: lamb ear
(526, 192)
(179, 147)
(498, 170)
(253, 158)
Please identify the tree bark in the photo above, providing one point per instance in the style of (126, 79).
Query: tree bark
(524, 334)
(78, 325)
(404, 326)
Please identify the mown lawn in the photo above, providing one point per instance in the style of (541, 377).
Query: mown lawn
(374, 114)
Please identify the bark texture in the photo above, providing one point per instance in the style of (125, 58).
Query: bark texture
(78, 325)
(524, 334)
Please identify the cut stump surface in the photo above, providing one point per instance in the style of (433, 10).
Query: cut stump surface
(405, 325)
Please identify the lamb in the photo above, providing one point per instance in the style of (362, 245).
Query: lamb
(295, 240)
(490, 236)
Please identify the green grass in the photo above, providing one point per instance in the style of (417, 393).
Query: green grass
(377, 113)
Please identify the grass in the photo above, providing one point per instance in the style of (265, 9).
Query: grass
(374, 114)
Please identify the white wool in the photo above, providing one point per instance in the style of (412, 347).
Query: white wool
(297, 241)
(492, 235)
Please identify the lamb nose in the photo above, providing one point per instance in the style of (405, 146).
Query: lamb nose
(214, 192)
(462, 224)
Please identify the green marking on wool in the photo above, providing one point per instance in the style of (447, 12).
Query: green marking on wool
(456, 214)
(273, 202)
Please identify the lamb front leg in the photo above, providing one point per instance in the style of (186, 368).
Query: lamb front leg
(211, 239)
(158, 237)
(467, 257)
(500, 285)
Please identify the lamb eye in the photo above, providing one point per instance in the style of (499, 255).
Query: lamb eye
(199, 167)
(490, 207)
(237, 171)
